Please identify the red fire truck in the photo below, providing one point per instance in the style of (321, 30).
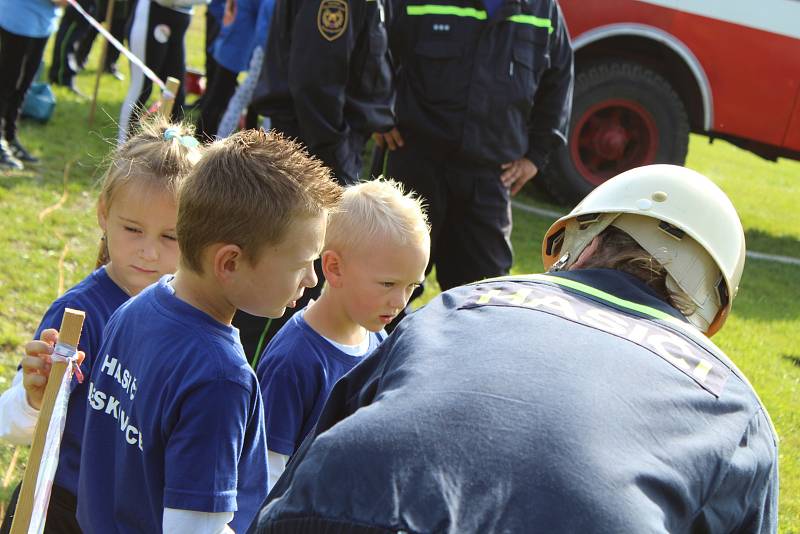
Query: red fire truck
(648, 72)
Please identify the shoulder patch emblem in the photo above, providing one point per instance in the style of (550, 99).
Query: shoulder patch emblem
(332, 18)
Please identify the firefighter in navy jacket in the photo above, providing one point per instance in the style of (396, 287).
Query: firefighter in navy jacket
(327, 78)
(588, 399)
(484, 93)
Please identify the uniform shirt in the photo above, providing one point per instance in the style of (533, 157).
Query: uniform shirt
(296, 373)
(236, 41)
(327, 75)
(31, 18)
(588, 415)
(489, 89)
(175, 420)
(99, 297)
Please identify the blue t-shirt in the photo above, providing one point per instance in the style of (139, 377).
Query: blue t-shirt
(31, 18)
(235, 44)
(216, 8)
(297, 371)
(99, 297)
(175, 420)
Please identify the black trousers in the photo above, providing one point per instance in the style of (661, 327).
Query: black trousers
(60, 513)
(215, 102)
(469, 209)
(71, 31)
(156, 35)
(118, 29)
(213, 27)
(19, 59)
(348, 169)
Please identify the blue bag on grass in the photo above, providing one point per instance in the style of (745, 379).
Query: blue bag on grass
(40, 102)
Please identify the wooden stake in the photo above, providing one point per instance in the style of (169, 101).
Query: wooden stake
(168, 97)
(102, 64)
(69, 334)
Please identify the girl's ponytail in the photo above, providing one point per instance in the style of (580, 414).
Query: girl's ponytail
(160, 154)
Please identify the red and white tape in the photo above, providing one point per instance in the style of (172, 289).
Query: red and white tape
(119, 46)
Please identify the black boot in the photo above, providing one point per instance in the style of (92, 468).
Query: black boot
(7, 160)
(20, 152)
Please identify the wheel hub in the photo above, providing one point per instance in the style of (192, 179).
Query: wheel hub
(611, 137)
(611, 142)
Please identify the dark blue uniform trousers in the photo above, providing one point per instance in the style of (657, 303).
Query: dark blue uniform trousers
(469, 210)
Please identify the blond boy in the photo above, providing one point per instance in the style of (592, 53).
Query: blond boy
(376, 250)
(174, 437)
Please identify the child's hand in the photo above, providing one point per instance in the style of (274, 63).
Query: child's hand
(36, 366)
(230, 13)
(391, 139)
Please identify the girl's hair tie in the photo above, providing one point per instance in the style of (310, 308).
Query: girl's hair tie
(186, 140)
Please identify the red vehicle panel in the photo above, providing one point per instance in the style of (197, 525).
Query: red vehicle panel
(735, 73)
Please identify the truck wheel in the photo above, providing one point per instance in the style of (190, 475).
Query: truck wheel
(624, 115)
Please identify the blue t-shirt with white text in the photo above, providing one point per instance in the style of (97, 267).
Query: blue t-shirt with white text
(174, 420)
(297, 371)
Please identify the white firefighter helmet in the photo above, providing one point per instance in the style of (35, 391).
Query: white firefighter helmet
(678, 216)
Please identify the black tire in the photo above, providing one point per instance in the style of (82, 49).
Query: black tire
(649, 105)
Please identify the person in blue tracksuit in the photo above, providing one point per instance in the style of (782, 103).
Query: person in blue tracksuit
(588, 399)
(231, 52)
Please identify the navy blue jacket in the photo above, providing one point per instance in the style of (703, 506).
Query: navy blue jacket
(327, 76)
(492, 89)
(570, 403)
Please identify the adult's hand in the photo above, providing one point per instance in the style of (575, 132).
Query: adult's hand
(391, 139)
(517, 173)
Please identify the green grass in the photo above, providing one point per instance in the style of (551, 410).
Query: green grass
(762, 335)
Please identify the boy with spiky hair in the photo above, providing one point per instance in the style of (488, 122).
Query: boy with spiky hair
(174, 437)
(376, 249)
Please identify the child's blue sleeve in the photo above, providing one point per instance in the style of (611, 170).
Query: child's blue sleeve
(284, 405)
(215, 450)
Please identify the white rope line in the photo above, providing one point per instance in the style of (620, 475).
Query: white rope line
(119, 46)
(551, 214)
(537, 211)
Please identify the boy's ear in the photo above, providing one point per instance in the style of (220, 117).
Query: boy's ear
(227, 260)
(102, 215)
(332, 268)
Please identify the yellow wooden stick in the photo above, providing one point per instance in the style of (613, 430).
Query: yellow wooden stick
(70, 334)
(102, 63)
(168, 97)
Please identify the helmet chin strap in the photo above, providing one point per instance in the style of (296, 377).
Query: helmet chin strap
(698, 318)
(561, 264)
(690, 269)
(579, 233)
